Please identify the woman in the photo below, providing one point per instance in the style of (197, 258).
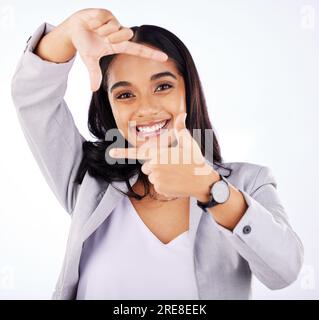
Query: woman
(143, 227)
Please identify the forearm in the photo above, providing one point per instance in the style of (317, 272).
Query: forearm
(269, 244)
(56, 46)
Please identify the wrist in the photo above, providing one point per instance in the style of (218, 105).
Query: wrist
(56, 46)
(203, 192)
(66, 31)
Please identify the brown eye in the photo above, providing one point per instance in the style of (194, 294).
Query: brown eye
(164, 86)
(124, 96)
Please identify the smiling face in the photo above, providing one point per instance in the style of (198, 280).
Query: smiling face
(145, 96)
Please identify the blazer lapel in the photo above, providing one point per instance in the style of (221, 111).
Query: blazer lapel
(108, 202)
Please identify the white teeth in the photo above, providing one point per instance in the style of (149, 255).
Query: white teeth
(151, 128)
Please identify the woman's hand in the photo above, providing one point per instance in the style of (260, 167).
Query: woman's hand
(94, 33)
(179, 171)
(182, 171)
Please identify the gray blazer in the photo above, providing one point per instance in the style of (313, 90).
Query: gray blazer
(263, 243)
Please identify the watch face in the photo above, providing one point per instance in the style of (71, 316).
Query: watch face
(220, 191)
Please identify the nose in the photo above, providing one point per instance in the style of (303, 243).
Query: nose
(148, 108)
(147, 112)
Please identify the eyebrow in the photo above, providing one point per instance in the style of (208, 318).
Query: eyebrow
(153, 77)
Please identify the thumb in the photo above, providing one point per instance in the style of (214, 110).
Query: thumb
(180, 121)
(180, 127)
(93, 67)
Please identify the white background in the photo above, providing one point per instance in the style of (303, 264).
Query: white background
(259, 66)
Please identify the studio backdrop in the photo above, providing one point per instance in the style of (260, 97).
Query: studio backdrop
(258, 62)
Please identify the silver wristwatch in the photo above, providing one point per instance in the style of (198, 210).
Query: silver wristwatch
(219, 193)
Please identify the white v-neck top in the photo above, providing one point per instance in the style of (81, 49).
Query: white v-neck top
(123, 259)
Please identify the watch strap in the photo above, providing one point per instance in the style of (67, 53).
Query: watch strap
(211, 202)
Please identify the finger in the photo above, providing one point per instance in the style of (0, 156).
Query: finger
(129, 153)
(97, 17)
(108, 28)
(140, 50)
(158, 155)
(180, 121)
(151, 178)
(146, 168)
(180, 127)
(94, 70)
(121, 35)
(155, 147)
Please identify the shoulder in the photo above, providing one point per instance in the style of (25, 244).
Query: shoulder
(247, 175)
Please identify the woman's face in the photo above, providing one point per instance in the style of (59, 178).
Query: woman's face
(145, 96)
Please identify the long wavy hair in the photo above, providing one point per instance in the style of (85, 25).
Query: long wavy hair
(101, 119)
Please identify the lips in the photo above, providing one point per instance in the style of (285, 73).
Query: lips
(151, 128)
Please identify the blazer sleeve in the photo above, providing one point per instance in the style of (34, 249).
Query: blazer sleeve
(264, 236)
(37, 88)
